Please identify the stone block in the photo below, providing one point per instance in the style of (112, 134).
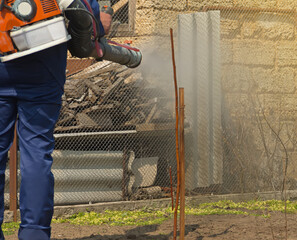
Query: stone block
(292, 167)
(230, 28)
(287, 4)
(238, 104)
(289, 103)
(251, 30)
(178, 5)
(253, 52)
(226, 52)
(196, 5)
(256, 3)
(269, 102)
(154, 21)
(286, 134)
(287, 54)
(275, 81)
(277, 30)
(237, 78)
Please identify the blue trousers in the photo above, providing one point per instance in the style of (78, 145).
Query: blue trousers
(37, 111)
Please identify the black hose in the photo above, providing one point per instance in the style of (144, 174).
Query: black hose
(91, 15)
(80, 28)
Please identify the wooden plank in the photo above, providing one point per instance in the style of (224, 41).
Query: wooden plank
(155, 127)
(151, 114)
(91, 71)
(116, 7)
(95, 88)
(132, 15)
(84, 120)
(75, 65)
(123, 31)
(99, 108)
(111, 89)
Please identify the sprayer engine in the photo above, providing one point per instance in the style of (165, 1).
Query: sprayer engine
(28, 26)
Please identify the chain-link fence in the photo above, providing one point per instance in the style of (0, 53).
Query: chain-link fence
(115, 139)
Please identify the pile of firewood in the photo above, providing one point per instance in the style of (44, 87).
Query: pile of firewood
(108, 96)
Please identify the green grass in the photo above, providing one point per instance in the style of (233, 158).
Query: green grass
(157, 216)
(119, 218)
(10, 228)
(150, 216)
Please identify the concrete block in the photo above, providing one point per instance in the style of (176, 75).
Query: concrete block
(144, 171)
(275, 81)
(253, 52)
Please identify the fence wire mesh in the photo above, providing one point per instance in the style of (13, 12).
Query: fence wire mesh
(115, 139)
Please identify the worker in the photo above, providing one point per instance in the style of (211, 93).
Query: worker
(30, 90)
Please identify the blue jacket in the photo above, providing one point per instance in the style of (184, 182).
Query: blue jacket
(44, 70)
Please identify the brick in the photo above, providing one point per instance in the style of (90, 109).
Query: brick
(253, 52)
(273, 81)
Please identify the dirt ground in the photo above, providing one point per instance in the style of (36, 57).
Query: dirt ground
(231, 227)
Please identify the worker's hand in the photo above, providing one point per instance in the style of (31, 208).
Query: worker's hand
(106, 21)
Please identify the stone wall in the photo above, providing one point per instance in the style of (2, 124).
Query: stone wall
(259, 73)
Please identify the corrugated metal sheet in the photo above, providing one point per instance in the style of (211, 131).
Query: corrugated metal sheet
(199, 73)
(96, 176)
(86, 176)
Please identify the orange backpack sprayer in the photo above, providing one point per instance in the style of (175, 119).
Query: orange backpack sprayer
(29, 26)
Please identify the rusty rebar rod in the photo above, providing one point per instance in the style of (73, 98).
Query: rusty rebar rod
(176, 137)
(171, 188)
(13, 177)
(182, 163)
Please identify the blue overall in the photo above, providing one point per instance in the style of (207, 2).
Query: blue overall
(30, 89)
